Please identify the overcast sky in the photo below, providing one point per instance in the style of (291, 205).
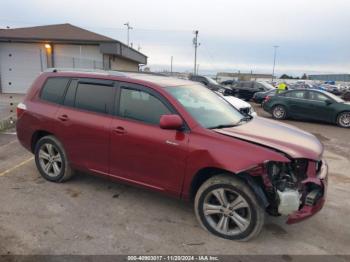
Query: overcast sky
(313, 35)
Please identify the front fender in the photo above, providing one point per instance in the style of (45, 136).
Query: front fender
(225, 153)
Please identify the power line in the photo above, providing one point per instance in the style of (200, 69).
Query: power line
(20, 23)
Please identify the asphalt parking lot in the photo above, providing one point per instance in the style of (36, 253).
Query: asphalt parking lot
(92, 215)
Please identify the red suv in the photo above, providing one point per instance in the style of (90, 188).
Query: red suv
(177, 137)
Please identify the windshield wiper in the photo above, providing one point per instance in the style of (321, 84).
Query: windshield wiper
(222, 126)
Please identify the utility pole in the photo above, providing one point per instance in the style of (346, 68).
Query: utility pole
(274, 60)
(196, 44)
(171, 65)
(128, 28)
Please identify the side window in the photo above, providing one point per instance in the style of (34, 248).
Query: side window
(318, 96)
(96, 98)
(296, 94)
(258, 86)
(54, 88)
(247, 84)
(70, 94)
(141, 106)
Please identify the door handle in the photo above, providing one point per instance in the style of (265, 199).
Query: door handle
(119, 130)
(63, 117)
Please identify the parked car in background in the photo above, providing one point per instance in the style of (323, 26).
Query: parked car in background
(246, 89)
(310, 105)
(225, 93)
(176, 137)
(346, 96)
(242, 106)
(211, 84)
(331, 89)
(228, 82)
(259, 97)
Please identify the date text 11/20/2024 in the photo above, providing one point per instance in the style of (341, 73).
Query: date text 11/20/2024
(173, 258)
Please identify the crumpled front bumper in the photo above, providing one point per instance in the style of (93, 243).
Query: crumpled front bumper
(307, 211)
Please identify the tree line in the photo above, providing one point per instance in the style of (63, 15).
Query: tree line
(285, 76)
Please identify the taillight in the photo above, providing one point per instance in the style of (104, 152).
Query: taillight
(20, 109)
(267, 99)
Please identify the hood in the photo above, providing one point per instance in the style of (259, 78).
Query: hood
(288, 139)
(236, 102)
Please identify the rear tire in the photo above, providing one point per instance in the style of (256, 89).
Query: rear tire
(343, 119)
(228, 208)
(279, 112)
(51, 160)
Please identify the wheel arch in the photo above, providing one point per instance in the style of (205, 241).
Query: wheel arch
(37, 135)
(279, 103)
(254, 182)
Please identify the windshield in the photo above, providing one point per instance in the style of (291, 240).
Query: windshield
(206, 107)
(267, 85)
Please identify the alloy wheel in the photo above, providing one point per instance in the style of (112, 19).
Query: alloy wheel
(226, 211)
(279, 112)
(50, 160)
(344, 119)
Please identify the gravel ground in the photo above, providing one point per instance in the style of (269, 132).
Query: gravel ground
(92, 215)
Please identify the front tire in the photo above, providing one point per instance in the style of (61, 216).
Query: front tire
(279, 112)
(51, 160)
(343, 119)
(227, 207)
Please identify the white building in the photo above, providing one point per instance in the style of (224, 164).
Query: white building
(25, 52)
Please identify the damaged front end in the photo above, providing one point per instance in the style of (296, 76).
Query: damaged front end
(296, 189)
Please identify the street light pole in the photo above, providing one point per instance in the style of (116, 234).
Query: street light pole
(171, 65)
(274, 60)
(128, 28)
(196, 44)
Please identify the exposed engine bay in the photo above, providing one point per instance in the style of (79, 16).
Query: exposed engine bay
(294, 186)
(289, 190)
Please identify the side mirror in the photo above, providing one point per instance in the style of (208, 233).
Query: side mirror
(328, 102)
(173, 122)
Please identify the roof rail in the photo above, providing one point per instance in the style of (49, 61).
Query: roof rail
(85, 70)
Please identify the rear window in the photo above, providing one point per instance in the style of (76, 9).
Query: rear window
(96, 98)
(54, 88)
